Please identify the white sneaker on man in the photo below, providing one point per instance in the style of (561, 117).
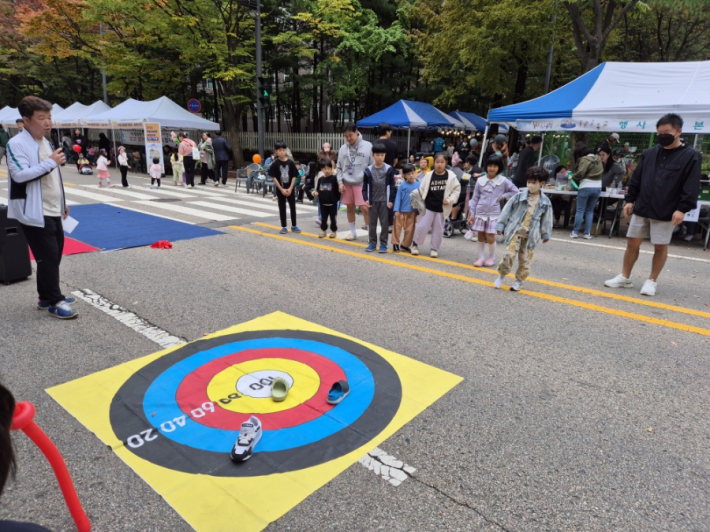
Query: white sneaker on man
(619, 282)
(517, 286)
(649, 288)
(499, 281)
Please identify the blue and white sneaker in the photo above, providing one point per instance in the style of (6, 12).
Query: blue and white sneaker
(249, 436)
(283, 231)
(295, 229)
(371, 247)
(44, 305)
(383, 249)
(62, 310)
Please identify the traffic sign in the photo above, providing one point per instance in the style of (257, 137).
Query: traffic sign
(194, 106)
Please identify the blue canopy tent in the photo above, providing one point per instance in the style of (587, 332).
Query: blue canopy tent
(406, 114)
(473, 122)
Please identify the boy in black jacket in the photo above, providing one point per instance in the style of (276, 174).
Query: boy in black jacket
(328, 195)
(379, 192)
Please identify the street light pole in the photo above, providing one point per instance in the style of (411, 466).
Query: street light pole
(103, 74)
(552, 49)
(259, 108)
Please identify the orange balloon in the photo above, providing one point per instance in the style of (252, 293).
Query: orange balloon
(256, 159)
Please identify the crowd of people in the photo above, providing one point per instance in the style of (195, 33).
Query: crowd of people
(414, 198)
(405, 200)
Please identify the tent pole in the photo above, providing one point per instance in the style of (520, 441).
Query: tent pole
(115, 153)
(539, 157)
(483, 145)
(409, 138)
(695, 142)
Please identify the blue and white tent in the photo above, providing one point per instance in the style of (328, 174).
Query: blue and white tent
(406, 114)
(619, 97)
(473, 122)
(410, 115)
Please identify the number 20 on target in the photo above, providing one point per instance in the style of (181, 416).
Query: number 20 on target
(137, 440)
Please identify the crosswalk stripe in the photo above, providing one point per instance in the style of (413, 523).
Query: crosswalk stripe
(150, 213)
(171, 193)
(228, 208)
(300, 206)
(186, 210)
(249, 204)
(90, 195)
(214, 192)
(122, 192)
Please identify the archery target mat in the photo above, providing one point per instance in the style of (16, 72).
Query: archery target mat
(174, 416)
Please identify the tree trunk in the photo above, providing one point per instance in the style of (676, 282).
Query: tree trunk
(232, 119)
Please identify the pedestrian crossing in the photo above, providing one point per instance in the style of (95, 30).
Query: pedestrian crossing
(191, 205)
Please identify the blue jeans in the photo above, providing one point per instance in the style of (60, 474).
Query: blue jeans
(586, 200)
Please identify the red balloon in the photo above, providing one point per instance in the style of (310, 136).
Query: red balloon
(77, 148)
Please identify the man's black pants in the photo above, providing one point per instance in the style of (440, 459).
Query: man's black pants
(221, 169)
(291, 207)
(47, 244)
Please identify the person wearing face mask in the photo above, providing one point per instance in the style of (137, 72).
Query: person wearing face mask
(664, 186)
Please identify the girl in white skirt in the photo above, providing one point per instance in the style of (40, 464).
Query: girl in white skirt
(484, 207)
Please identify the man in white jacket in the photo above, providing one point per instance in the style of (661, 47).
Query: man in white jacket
(36, 200)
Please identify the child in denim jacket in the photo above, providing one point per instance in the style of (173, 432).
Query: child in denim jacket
(525, 220)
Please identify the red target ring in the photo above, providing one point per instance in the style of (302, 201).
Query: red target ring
(192, 391)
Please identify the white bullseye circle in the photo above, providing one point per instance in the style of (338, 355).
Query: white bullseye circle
(258, 383)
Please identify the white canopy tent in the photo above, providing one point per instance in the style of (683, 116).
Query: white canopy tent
(77, 113)
(56, 108)
(8, 115)
(132, 114)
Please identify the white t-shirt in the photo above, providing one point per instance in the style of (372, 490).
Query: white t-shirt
(51, 184)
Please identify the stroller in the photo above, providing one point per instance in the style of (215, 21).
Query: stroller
(84, 166)
(460, 221)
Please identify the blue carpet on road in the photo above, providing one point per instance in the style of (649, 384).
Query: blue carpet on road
(109, 228)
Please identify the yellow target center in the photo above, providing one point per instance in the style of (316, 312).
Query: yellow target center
(245, 388)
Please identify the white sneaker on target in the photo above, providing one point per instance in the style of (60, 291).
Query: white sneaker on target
(619, 282)
(249, 436)
(649, 288)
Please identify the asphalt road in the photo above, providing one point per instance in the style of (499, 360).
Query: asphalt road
(578, 411)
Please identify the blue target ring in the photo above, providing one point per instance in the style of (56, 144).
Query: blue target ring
(159, 402)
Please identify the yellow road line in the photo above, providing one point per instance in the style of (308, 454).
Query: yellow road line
(591, 291)
(69, 184)
(556, 299)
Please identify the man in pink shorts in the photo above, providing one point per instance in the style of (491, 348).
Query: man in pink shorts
(353, 157)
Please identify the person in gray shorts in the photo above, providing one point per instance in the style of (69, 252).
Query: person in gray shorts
(664, 186)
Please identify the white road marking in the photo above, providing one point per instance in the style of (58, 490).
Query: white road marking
(228, 208)
(202, 192)
(123, 192)
(129, 319)
(171, 192)
(150, 213)
(360, 233)
(69, 202)
(624, 249)
(388, 467)
(186, 210)
(90, 195)
(272, 207)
